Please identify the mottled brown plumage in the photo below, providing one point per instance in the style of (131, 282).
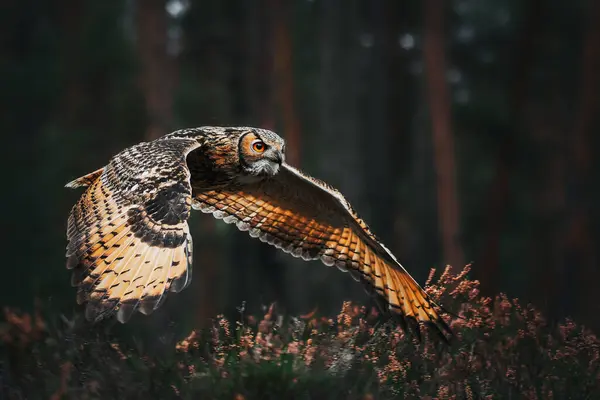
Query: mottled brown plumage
(129, 242)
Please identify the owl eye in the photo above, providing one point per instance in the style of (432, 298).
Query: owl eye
(259, 146)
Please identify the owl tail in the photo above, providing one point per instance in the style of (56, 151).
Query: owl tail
(85, 180)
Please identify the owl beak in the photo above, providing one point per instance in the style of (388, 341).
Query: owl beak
(279, 158)
(276, 157)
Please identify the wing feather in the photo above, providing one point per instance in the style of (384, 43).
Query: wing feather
(308, 219)
(129, 241)
(92, 268)
(180, 274)
(129, 300)
(158, 283)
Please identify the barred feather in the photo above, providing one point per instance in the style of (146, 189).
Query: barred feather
(128, 236)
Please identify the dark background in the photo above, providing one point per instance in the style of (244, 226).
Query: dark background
(460, 131)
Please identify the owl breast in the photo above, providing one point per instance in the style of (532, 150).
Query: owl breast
(246, 179)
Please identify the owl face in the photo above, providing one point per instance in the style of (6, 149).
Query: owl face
(260, 152)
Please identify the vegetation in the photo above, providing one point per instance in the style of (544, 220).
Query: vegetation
(502, 349)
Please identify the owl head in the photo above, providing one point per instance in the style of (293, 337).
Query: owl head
(261, 152)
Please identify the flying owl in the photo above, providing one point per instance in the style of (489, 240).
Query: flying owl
(129, 242)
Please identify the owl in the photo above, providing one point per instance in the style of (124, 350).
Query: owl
(129, 242)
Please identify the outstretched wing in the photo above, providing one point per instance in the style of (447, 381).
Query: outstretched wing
(307, 218)
(128, 235)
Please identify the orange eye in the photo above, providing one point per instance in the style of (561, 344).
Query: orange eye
(258, 146)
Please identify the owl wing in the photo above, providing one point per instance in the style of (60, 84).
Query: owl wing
(129, 241)
(309, 219)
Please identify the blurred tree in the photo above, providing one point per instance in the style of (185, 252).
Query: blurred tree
(72, 104)
(158, 68)
(397, 33)
(374, 124)
(580, 248)
(337, 152)
(554, 282)
(284, 74)
(439, 101)
(499, 195)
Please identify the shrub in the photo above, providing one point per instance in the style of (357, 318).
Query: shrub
(502, 350)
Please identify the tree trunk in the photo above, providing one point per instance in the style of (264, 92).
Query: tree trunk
(443, 140)
(337, 149)
(580, 244)
(400, 115)
(157, 67)
(70, 19)
(499, 193)
(376, 138)
(284, 74)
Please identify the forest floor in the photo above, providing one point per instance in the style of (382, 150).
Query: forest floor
(501, 349)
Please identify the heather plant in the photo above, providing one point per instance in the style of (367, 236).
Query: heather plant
(501, 349)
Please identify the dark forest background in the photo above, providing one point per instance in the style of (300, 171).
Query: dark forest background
(461, 131)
